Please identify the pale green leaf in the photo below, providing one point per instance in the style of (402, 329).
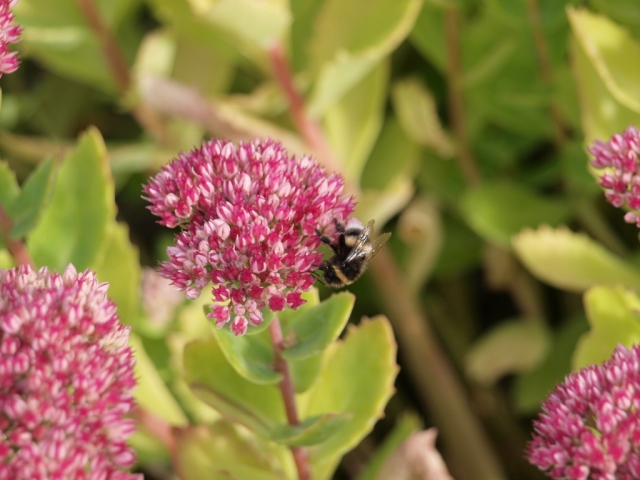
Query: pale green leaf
(571, 261)
(311, 431)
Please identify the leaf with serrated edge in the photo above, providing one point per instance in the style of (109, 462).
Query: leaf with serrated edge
(357, 378)
(614, 316)
(311, 431)
(571, 261)
(215, 381)
(151, 392)
(35, 196)
(74, 228)
(316, 328)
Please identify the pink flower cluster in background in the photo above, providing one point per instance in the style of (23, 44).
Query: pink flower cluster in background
(66, 379)
(248, 215)
(9, 33)
(590, 425)
(621, 177)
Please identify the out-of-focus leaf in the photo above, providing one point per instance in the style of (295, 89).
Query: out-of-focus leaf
(571, 261)
(416, 110)
(215, 381)
(613, 314)
(353, 123)
(6, 260)
(513, 346)
(531, 388)
(120, 267)
(622, 11)
(305, 372)
(316, 328)
(384, 204)
(250, 355)
(9, 188)
(74, 228)
(461, 249)
(428, 35)
(220, 452)
(404, 427)
(35, 196)
(394, 155)
(349, 40)
(311, 431)
(498, 211)
(600, 113)
(151, 392)
(612, 51)
(357, 379)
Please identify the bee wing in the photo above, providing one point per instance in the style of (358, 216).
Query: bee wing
(363, 242)
(379, 242)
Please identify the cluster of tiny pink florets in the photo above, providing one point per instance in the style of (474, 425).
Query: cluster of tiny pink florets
(9, 33)
(66, 379)
(248, 214)
(621, 177)
(590, 425)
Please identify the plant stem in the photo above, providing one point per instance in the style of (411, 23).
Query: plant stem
(439, 388)
(17, 247)
(288, 397)
(307, 126)
(542, 52)
(115, 58)
(455, 98)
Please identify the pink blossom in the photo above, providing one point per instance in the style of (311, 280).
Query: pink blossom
(66, 378)
(9, 33)
(589, 427)
(248, 215)
(159, 298)
(620, 176)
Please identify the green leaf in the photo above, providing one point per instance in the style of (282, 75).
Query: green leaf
(498, 211)
(311, 431)
(250, 355)
(416, 110)
(613, 314)
(428, 35)
(622, 11)
(385, 204)
(75, 226)
(305, 372)
(531, 388)
(601, 114)
(571, 261)
(612, 51)
(514, 346)
(404, 427)
(349, 40)
(9, 188)
(353, 123)
(151, 392)
(314, 329)
(35, 196)
(213, 380)
(357, 379)
(120, 267)
(220, 452)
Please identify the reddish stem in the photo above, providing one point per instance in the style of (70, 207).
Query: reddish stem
(308, 127)
(17, 248)
(288, 396)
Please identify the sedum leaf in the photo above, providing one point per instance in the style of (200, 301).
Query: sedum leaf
(571, 261)
(9, 189)
(614, 316)
(497, 211)
(75, 226)
(311, 431)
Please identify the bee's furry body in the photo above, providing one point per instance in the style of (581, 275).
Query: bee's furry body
(353, 252)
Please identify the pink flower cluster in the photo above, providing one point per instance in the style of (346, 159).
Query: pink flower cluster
(9, 33)
(248, 215)
(621, 179)
(66, 379)
(590, 425)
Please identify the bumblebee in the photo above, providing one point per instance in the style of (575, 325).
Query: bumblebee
(353, 252)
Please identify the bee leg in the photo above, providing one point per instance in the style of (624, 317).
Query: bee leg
(327, 240)
(338, 225)
(316, 275)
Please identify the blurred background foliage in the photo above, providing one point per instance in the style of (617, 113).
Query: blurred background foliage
(461, 125)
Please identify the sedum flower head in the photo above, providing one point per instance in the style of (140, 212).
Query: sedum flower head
(590, 425)
(248, 215)
(620, 177)
(66, 378)
(9, 33)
